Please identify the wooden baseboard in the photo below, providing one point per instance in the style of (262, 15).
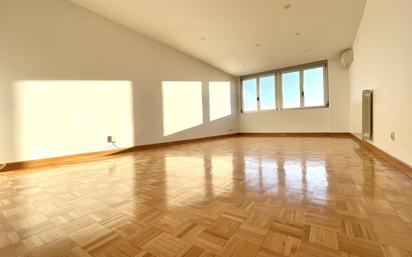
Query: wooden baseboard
(395, 162)
(296, 134)
(398, 164)
(20, 165)
(173, 143)
(58, 160)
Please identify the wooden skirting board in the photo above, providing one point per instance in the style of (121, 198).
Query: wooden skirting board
(94, 155)
(59, 160)
(398, 164)
(297, 134)
(395, 162)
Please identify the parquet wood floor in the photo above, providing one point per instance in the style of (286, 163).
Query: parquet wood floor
(240, 196)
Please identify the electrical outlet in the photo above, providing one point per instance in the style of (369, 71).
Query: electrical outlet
(110, 139)
(393, 136)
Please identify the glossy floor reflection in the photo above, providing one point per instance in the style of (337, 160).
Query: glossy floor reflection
(240, 196)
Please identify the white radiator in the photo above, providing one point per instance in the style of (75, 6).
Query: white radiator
(367, 108)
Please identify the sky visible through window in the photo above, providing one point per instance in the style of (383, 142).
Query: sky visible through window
(291, 89)
(313, 87)
(249, 95)
(300, 88)
(267, 93)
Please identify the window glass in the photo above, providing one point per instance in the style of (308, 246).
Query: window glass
(291, 89)
(313, 86)
(267, 93)
(303, 87)
(249, 95)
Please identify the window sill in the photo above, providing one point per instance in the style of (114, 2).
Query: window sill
(286, 109)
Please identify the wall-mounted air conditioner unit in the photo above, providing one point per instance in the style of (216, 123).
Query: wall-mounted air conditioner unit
(346, 58)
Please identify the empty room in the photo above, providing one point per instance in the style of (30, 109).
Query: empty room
(195, 128)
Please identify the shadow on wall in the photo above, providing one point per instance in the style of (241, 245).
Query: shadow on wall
(51, 118)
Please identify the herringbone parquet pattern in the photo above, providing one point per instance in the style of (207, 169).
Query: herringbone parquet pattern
(240, 196)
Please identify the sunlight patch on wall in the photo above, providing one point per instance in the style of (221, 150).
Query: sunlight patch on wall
(182, 105)
(57, 118)
(219, 100)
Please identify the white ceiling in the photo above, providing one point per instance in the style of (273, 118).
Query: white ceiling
(232, 30)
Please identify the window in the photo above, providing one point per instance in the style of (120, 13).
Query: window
(298, 87)
(249, 95)
(313, 87)
(267, 93)
(291, 89)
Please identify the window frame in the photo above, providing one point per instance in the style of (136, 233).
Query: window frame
(257, 94)
(280, 74)
(325, 87)
(279, 86)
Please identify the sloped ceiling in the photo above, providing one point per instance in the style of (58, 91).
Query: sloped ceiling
(241, 36)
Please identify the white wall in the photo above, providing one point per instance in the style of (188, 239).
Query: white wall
(332, 119)
(54, 118)
(382, 62)
(56, 41)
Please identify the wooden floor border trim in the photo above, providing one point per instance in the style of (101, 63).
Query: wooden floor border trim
(400, 165)
(296, 134)
(173, 143)
(68, 159)
(58, 160)
(395, 162)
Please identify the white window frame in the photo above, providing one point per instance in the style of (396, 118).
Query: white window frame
(257, 94)
(278, 86)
